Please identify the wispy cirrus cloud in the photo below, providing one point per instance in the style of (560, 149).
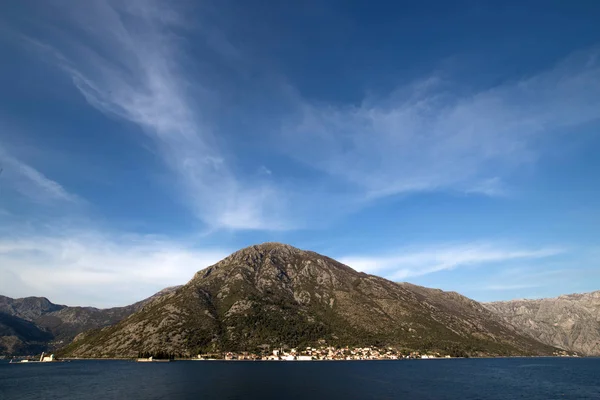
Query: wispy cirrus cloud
(89, 267)
(133, 61)
(412, 262)
(31, 183)
(128, 61)
(435, 135)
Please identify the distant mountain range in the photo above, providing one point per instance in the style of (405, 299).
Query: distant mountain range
(34, 324)
(571, 322)
(273, 295)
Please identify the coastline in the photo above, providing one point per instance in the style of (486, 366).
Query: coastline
(326, 360)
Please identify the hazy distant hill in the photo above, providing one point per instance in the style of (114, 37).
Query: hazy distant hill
(571, 322)
(274, 294)
(34, 324)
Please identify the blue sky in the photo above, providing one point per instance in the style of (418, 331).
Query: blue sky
(448, 145)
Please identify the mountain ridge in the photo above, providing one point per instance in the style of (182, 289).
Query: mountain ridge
(35, 324)
(274, 294)
(570, 321)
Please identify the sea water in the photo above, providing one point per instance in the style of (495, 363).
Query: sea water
(465, 379)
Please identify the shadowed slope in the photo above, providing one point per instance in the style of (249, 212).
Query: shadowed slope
(30, 325)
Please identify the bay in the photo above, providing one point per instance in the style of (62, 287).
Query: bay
(465, 379)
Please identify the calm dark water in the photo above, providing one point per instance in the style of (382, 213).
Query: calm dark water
(506, 379)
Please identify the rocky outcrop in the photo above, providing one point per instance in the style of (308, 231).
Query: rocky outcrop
(273, 295)
(28, 308)
(570, 322)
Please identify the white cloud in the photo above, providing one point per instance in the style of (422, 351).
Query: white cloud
(264, 170)
(129, 63)
(30, 182)
(91, 268)
(431, 136)
(492, 187)
(509, 287)
(410, 262)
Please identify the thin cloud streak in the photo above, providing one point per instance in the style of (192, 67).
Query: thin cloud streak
(410, 262)
(509, 287)
(143, 81)
(426, 137)
(31, 183)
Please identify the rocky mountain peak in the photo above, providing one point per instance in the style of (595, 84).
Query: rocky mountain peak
(263, 250)
(260, 258)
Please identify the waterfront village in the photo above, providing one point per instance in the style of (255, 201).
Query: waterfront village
(338, 353)
(326, 353)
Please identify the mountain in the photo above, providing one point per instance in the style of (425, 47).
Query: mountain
(19, 336)
(34, 324)
(273, 295)
(571, 322)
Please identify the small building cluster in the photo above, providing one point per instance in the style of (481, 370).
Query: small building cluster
(328, 353)
(564, 353)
